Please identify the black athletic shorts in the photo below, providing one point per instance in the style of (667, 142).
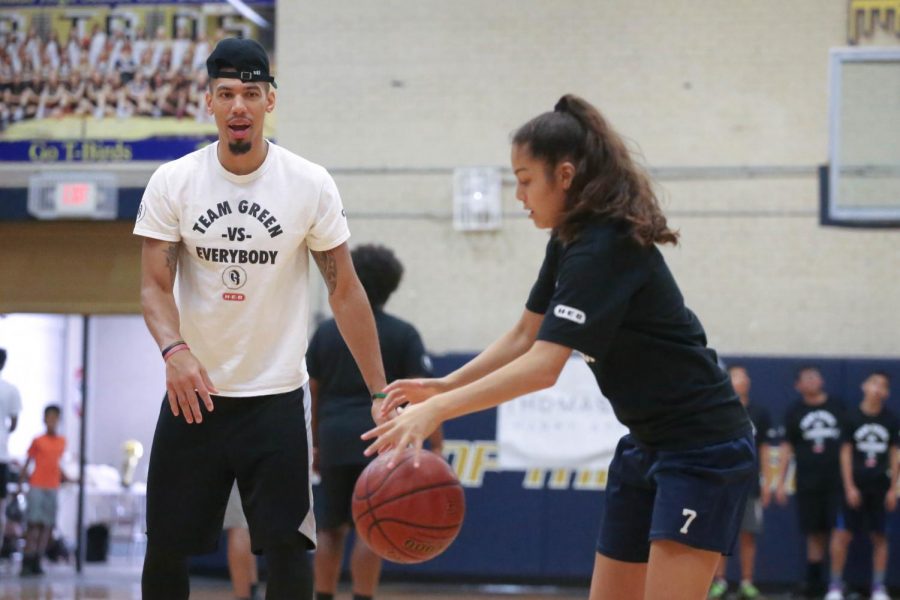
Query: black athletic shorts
(871, 515)
(260, 441)
(335, 506)
(4, 479)
(817, 510)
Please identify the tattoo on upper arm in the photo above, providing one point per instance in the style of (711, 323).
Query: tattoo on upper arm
(328, 266)
(172, 258)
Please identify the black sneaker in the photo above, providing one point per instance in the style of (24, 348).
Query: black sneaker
(27, 567)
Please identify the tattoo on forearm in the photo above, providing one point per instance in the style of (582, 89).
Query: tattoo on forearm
(172, 258)
(328, 266)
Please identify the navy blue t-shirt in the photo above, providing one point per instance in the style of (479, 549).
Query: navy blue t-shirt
(616, 303)
(873, 438)
(344, 409)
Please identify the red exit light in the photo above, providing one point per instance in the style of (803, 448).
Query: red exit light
(75, 194)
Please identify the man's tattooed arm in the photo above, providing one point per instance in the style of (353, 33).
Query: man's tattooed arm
(171, 251)
(328, 266)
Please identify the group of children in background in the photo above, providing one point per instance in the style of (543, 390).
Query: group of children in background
(847, 462)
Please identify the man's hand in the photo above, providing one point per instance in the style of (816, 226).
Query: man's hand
(186, 379)
(377, 412)
(890, 500)
(854, 498)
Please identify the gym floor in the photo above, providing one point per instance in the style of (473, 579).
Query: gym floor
(122, 582)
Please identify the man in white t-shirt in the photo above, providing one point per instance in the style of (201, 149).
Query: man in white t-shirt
(228, 231)
(10, 407)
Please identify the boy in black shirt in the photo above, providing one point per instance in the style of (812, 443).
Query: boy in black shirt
(869, 468)
(813, 436)
(342, 411)
(766, 435)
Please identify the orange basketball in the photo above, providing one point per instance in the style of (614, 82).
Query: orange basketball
(408, 514)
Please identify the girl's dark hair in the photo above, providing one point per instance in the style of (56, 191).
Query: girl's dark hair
(608, 184)
(378, 270)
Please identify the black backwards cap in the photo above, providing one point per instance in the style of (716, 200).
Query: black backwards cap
(237, 58)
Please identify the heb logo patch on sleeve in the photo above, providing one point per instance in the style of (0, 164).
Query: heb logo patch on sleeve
(569, 314)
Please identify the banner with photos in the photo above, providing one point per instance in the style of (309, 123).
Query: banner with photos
(95, 81)
(570, 425)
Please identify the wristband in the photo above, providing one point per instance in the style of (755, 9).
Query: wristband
(170, 346)
(173, 349)
(378, 396)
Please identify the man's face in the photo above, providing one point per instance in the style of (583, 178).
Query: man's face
(740, 381)
(877, 386)
(239, 108)
(809, 382)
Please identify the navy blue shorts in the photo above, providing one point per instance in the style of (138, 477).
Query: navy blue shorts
(695, 497)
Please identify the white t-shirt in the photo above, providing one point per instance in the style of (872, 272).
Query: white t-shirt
(10, 406)
(242, 287)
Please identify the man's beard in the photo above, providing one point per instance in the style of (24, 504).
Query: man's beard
(242, 147)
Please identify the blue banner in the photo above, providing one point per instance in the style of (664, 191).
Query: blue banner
(75, 151)
(541, 526)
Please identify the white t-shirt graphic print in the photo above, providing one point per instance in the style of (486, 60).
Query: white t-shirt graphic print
(242, 287)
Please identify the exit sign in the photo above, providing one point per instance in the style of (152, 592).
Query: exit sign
(85, 195)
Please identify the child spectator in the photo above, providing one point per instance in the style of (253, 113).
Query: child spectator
(45, 452)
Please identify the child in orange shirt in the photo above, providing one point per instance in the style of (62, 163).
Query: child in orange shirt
(46, 451)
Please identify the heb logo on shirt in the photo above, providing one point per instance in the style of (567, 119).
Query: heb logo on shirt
(233, 297)
(570, 314)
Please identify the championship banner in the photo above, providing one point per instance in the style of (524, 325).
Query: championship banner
(87, 81)
(570, 425)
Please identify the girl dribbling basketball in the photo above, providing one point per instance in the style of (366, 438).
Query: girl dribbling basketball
(679, 479)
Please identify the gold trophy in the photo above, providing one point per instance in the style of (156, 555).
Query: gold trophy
(133, 450)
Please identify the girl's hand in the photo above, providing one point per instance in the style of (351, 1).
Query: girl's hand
(410, 391)
(409, 428)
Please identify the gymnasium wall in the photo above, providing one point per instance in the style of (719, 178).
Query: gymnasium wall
(726, 100)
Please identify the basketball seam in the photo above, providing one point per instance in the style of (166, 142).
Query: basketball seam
(383, 480)
(376, 523)
(418, 526)
(407, 493)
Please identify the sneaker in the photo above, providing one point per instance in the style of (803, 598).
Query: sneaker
(27, 567)
(749, 591)
(879, 593)
(718, 589)
(834, 593)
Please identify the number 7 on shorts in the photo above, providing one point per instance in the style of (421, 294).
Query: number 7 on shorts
(691, 515)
